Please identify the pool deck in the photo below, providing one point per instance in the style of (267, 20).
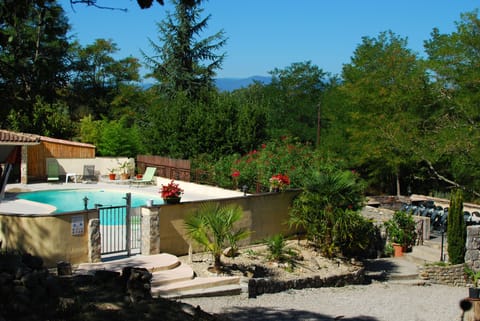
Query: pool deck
(192, 192)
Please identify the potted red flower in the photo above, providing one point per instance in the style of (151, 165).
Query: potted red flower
(171, 193)
(279, 182)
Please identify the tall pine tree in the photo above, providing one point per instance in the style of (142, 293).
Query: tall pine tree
(184, 63)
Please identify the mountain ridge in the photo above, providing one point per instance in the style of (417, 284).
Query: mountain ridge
(230, 83)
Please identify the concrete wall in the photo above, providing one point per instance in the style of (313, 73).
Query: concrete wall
(102, 164)
(264, 215)
(49, 236)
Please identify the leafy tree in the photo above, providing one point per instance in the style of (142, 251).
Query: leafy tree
(185, 128)
(294, 99)
(51, 120)
(385, 85)
(453, 151)
(97, 78)
(90, 130)
(212, 226)
(182, 63)
(33, 48)
(119, 139)
(457, 230)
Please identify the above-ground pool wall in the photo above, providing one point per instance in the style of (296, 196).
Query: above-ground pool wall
(52, 237)
(264, 215)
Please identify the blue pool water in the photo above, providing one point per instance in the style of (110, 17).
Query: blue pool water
(72, 200)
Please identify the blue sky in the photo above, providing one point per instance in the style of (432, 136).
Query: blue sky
(267, 34)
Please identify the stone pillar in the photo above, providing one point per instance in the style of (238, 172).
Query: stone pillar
(94, 241)
(472, 246)
(23, 165)
(150, 230)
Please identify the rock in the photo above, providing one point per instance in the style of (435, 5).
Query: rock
(138, 285)
(64, 268)
(229, 252)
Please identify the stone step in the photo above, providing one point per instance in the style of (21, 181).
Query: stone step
(411, 282)
(198, 285)
(170, 277)
(183, 272)
(153, 263)
(221, 290)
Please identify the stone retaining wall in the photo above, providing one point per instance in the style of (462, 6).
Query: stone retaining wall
(472, 253)
(452, 275)
(258, 286)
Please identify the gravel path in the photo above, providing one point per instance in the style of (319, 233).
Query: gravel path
(374, 302)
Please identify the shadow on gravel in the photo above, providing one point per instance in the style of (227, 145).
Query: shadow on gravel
(248, 314)
(380, 269)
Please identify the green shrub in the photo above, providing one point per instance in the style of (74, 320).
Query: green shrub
(401, 229)
(328, 211)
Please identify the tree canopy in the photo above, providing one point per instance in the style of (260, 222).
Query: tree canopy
(398, 120)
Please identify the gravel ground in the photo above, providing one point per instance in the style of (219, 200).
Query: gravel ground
(374, 302)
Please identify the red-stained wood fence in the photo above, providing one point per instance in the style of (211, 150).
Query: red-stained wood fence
(178, 169)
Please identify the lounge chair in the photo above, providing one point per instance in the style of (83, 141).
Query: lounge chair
(52, 171)
(88, 173)
(147, 177)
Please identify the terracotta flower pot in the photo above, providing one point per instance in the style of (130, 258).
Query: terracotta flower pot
(112, 176)
(397, 250)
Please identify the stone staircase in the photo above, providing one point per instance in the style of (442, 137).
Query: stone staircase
(170, 277)
(405, 269)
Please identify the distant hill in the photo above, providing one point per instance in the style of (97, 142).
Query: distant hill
(230, 84)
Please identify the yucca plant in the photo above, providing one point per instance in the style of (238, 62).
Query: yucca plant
(211, 225)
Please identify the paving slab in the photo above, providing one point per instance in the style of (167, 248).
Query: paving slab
(152, 263)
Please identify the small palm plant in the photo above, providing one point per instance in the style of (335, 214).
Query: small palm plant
(212, 226)
(277, 248)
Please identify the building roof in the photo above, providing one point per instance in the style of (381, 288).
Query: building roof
(14, 138)
(65, 142)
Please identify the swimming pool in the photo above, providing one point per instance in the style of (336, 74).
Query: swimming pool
(71, 200)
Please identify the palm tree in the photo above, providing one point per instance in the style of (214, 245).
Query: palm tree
(327, 195)
(212, 226)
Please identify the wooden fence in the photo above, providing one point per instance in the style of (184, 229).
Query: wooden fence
(178, 169)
